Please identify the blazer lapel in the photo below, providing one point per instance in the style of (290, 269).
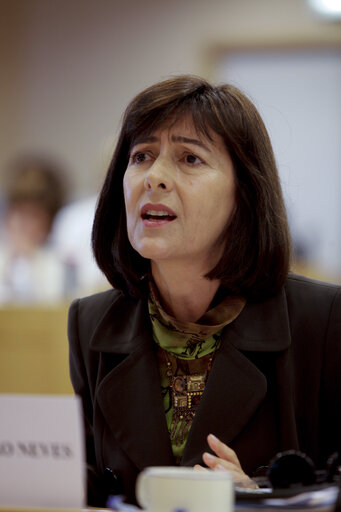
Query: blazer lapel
(129, 394)
(236, 387)
(234, 391)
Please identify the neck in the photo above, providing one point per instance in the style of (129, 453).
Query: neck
(185, 293)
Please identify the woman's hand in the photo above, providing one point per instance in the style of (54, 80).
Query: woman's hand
(225, 460)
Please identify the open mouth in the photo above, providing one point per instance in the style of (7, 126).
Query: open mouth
(157, 215)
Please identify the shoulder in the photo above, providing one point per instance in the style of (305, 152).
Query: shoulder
(314, 307)
(300, 281)
(111, 310)
(85, 314)
(98, 300)
(89, 310)
(301, 291)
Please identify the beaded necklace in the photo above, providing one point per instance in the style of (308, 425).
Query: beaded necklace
(185, 353)
(186, 391)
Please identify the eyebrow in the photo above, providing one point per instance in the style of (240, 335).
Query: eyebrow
(175, 138)
(142, 140)
(186, 140)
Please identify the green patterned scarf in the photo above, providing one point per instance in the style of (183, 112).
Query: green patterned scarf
(188, 346)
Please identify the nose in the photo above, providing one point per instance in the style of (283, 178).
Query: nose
(159, 177)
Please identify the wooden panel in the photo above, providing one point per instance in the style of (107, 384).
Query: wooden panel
(34, 351)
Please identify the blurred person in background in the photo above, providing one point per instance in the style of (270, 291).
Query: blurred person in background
(30, 271)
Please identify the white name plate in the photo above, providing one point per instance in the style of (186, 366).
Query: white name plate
(41, 451)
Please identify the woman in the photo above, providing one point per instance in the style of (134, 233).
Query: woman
(206, 352)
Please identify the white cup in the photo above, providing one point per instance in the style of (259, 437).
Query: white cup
(175, 489)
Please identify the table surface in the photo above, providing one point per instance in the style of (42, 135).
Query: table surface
(4, 508)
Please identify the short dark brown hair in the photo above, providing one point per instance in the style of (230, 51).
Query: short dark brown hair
(257, 252)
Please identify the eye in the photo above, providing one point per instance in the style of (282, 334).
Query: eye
(192, 159)
(139, 157)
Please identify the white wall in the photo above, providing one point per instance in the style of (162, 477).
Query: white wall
(298, 94)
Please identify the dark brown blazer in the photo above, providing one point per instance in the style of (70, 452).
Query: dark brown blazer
(275, 384)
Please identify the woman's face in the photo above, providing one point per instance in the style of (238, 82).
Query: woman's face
(179, 191)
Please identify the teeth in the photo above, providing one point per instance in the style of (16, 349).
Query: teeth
(157, 213)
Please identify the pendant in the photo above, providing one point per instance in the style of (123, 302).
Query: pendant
(186, 394)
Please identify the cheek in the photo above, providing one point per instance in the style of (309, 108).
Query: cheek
(231, 202)
(221, 205)
(132, 194)
(133, 186)
(228, 195)
(220, 199)
(126, 189)
(129, 193)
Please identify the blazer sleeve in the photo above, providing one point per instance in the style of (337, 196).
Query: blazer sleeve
(79, 378)
(99, 485)
(330, 397)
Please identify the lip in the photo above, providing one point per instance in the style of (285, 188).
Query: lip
(155, 222)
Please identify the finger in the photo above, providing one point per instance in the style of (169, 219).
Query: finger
(223, 466)
(213, 462)
(240, 478)
(198, 467)
(222, 450)
(220, 467)
(210, 460)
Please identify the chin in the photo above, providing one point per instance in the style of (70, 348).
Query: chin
(153, 251)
